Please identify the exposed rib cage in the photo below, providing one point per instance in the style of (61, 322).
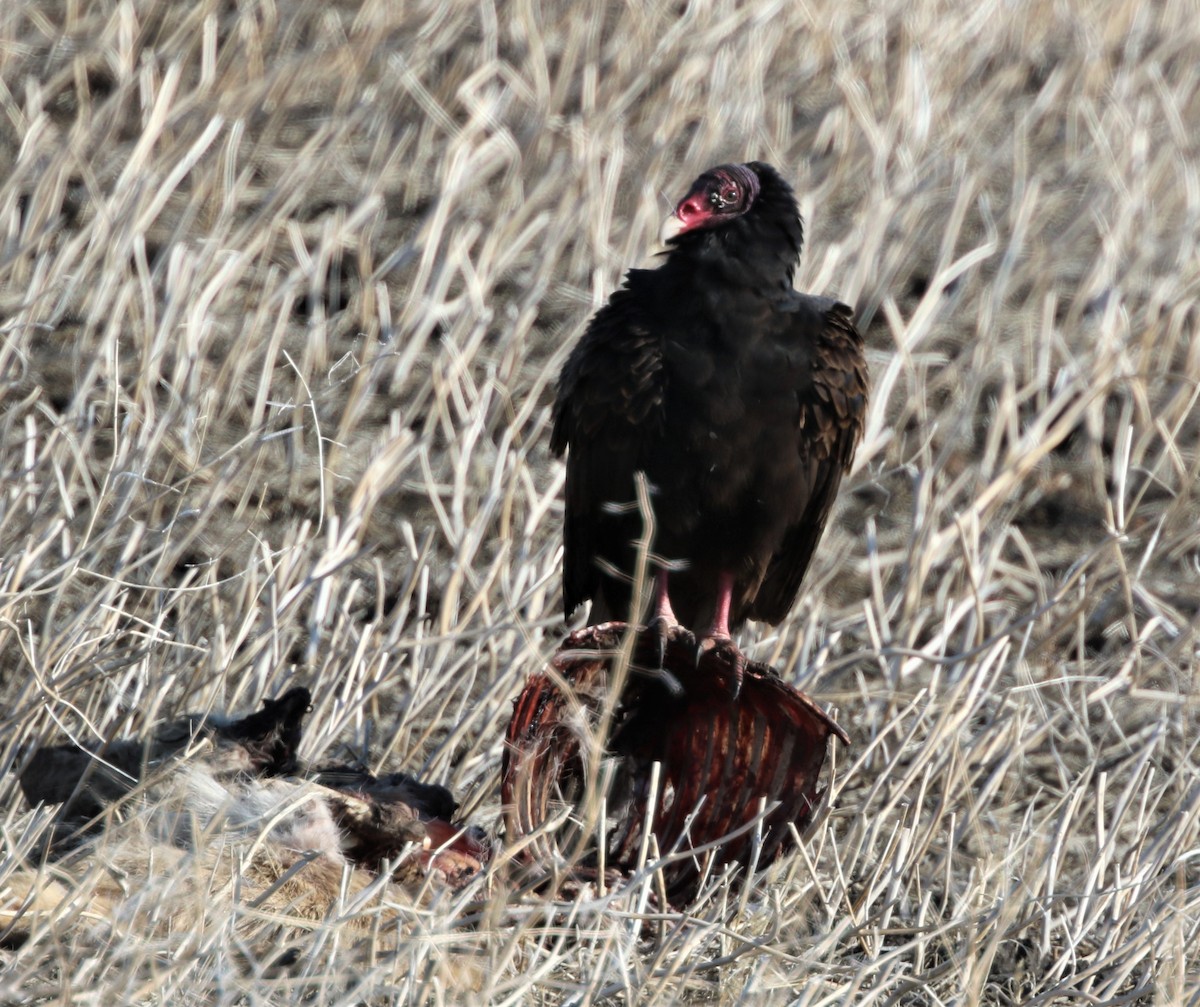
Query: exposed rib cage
(722, 760)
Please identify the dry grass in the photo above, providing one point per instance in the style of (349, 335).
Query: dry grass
(283, 292)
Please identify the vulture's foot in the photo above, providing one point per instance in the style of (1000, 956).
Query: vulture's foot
(662, 630)
(718, 651)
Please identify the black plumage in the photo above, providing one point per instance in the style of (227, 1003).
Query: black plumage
(740, 399)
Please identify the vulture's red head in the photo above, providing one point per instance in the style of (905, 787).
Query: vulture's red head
(739, 218)
(716, 197)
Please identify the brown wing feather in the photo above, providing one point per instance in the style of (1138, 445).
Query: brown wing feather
(607, 408)
(831, 422)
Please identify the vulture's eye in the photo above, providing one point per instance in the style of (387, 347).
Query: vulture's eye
(723, 198)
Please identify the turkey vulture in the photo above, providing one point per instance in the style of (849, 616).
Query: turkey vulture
(739, 399)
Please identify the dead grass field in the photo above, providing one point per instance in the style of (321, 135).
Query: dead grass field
(284, 288)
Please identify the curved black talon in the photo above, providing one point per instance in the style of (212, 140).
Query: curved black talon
(739, 674)
(661, 628)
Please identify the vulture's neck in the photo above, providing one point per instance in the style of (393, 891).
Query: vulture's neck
(755, 253)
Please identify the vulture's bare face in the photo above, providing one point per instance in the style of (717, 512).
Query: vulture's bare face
(718, 196)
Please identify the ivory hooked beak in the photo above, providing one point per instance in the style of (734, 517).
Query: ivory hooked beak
(672, 227)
